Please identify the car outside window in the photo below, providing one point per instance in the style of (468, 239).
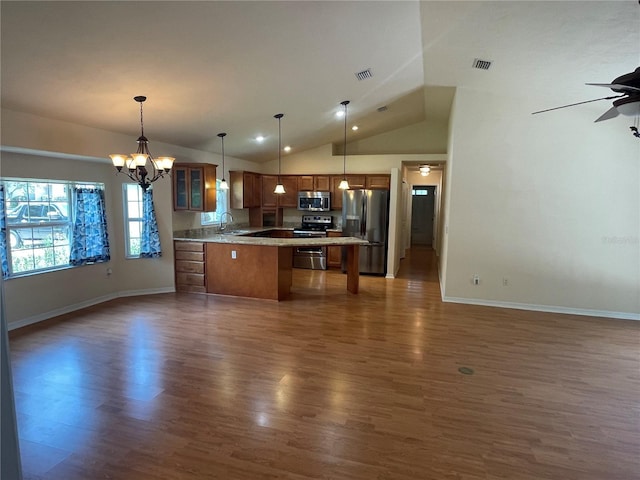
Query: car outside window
(38, 217)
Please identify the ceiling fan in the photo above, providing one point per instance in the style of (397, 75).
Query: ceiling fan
(626, 103)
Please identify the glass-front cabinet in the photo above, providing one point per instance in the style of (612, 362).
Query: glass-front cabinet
(194, 187)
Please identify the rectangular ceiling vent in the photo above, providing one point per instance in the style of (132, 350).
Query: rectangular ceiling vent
(364, 74)
(481, 64)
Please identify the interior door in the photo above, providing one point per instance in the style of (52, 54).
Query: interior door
(422, 215)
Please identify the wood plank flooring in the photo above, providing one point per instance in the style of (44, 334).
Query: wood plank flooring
(327, 385)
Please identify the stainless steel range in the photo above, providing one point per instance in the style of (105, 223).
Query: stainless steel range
(314, 258)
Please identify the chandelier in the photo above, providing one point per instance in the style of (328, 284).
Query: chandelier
(136, 163)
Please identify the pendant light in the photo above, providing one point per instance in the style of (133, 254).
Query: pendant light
(279, 187)
(344, 184)
(223, 183)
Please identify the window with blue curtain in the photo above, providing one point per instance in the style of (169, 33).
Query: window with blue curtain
(3, 236)
(150, 239)
(90, 242)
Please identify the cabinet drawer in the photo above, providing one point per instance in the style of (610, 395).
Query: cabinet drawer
(185, 278)
(191, 256)
(189, 267)
(190, 246)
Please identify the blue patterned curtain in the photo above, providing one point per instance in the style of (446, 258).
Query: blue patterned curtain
(3, 235)
(150, 241)
(90, 242)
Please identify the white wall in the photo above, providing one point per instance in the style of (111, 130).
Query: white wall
(549, 202)
(419, 138)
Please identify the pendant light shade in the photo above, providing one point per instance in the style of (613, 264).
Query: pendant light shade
(223, 183)
(344, 184)
(279, 186)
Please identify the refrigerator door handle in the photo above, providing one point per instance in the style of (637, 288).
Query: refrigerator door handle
(363, 221)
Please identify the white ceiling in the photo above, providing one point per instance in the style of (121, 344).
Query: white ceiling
(212, 66)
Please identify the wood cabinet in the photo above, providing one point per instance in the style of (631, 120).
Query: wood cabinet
(194, 187)
(355, 182)
(334, 254)
(306, 183)
(314, 183)
(289, 199)
(322, 183)
(269, 199)
(378, 182)
(246, 189)
(190, 267)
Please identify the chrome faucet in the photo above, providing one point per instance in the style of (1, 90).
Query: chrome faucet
(224, 226)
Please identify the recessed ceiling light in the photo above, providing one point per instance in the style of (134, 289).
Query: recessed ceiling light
(340, 114)
(354, 128)
(287, 148)
(259, 138)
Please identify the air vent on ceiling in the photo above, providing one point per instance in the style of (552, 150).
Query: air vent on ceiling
(384, 108)
(364, 74)
(481, 64)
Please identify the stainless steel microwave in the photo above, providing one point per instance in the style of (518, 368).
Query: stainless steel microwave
(314, 201)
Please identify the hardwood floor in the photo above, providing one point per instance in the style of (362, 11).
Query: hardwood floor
(327, 385)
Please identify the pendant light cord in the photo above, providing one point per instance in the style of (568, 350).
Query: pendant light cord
(222, 135)
(279, 117)
(344, 148)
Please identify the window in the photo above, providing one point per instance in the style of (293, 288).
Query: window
(222, 203)
(142, 237)
(420, 192)
(132, 219)
(39, 224)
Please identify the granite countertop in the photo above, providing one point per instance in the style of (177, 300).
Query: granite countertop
(241, 236)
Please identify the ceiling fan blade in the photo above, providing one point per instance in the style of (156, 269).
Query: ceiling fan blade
(611, 113)
(579, 103)
(616, 86)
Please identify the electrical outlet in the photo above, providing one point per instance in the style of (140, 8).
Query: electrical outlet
(505, 282)
(476, 279)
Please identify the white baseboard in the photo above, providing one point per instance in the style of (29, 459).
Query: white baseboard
(543, 308)
(79, 306)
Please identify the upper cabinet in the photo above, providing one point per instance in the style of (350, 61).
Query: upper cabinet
(357, 182)
(194, 187)
(249, 190)
(288, 199)
(378, 181)
(305, 183)
(314, 183)
(322, 183)
(246, 189)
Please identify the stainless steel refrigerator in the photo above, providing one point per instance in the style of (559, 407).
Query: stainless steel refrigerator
(365, 214)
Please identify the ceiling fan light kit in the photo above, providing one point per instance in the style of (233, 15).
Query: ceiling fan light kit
(627, 102)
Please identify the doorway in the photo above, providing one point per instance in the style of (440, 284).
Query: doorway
(423, 203)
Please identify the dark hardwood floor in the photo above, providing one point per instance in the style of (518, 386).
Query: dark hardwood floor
(327, 385)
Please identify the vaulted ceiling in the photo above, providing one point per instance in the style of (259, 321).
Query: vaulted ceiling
(213, 66)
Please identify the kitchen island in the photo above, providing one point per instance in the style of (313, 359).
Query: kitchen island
(261, 267)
